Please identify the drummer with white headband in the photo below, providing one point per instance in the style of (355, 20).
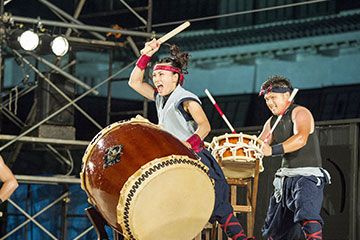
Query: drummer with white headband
(295, 205)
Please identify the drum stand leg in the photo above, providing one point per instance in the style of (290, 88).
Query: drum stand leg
(251, 185)
(213, 230)
(99, 224)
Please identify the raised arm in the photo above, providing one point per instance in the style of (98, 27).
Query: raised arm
(9, 180)
(137, 75)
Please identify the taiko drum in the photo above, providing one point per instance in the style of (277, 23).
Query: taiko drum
(134, 170)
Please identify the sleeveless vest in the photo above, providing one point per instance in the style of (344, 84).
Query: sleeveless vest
(172, 115)
(308, 155)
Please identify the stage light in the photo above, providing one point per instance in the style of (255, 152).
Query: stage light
(44, 43)
(60, 46)
(29, 40)
(25, 39)
(53, 45)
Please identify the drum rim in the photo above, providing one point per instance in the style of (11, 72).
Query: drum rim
(124, 201)
(237, 158)
(235, 135)
(243, 159)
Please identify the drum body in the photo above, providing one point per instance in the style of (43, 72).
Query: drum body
(146, 183)
(235, 151)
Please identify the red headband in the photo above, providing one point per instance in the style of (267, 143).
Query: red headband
(172, 69)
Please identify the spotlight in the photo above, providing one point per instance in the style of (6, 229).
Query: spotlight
(60, 46)
(28, 40)
(44, 43)
(57, 45)
(25, 39)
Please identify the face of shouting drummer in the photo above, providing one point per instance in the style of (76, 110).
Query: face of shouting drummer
(165, 81)
(276, 102)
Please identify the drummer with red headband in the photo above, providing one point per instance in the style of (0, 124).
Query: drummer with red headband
(180, 113)
(295, 204)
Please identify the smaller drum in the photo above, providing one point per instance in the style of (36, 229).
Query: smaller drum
(234, 152)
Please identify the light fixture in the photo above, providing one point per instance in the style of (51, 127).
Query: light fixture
(56, 45)
(59, 46)
(28, 40)
(44, 43)
(25, 39)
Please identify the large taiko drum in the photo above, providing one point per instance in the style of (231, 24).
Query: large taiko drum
(234, 151)
(146, 183)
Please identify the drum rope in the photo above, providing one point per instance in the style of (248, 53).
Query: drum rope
(250, 148)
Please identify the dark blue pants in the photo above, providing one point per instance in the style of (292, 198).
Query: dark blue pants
(302, 200)
(222, 207)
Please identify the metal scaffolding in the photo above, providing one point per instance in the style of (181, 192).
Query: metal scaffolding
(72, 24)
(62, 180)
(77, 25)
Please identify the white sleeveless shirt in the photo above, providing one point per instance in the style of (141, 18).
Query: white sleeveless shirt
(173, 117)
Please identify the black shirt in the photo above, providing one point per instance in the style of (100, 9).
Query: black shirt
(308, 155)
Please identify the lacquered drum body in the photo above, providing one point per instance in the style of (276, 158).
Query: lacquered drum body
(127, 169)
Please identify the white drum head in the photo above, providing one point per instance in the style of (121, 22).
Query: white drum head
(175, 201)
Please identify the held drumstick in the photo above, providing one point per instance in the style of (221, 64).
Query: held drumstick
(219, 110)
(282, 113)
(167, 36)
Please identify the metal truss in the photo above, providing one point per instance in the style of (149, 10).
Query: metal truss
(99, 42)
(25, 179)
(75, 25)
(66, 106)
(32, 218)
(72, 24)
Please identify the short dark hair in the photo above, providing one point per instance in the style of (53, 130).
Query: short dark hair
(277, 82)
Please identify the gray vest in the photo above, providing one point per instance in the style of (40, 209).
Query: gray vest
(173, 117)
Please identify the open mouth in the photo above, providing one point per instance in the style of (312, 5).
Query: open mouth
(160, 87)
(272, 109)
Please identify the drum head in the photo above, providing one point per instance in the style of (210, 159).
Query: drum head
(169, 198)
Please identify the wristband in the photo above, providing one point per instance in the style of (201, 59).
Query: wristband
(196, 143)
(143, 61)
(277, 149)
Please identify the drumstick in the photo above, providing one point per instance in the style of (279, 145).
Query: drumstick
(167, 36)
(281, 114)
(219, 110)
